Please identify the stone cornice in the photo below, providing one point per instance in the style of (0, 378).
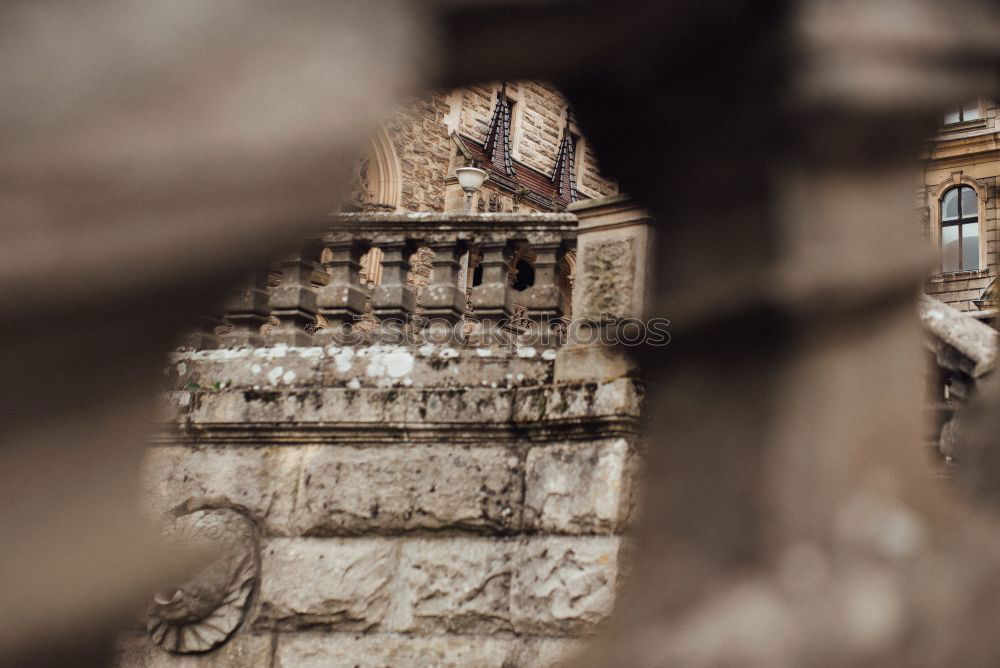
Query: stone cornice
(459, 225)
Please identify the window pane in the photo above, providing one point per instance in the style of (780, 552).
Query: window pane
(949, 206)
(970, 207)
(970, 111)
(970, 246)
(952, 116)
(949, 248)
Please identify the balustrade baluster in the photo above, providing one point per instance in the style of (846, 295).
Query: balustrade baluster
(444, 298)
(544, 300)
(293, 301)
(341, 301)
(492, 300)
(246, 311)
(392, 298)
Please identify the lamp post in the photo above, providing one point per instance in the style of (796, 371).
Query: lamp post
(471, 180)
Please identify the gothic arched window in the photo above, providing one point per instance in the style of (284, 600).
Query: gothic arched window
(959, 230)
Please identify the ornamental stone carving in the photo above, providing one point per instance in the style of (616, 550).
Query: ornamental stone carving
(202, 613)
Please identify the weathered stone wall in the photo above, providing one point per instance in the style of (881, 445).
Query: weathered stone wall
(406, 516)
(423, 149)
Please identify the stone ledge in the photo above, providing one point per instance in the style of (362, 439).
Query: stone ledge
(347, 409)
(428, 366)
(314, 650)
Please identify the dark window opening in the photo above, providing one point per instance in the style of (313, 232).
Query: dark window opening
(524, 276)
(477, 275)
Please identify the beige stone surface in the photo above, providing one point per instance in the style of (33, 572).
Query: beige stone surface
(546, 652)
(564, 586)
(454, 585)
(583, 363)
(315, 650)
(578, 487)
(621, 398)
(358, 490)
(258, 480)
(244, 650)
(344, 584)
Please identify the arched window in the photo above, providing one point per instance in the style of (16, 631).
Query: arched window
(959, 230)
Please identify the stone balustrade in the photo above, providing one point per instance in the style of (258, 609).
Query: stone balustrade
(470, 276)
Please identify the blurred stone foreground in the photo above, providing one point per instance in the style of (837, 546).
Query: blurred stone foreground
(156, 157)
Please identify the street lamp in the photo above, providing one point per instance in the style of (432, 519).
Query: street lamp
(471, 179)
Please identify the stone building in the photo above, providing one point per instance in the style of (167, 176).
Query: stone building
(522, 132)
(958, 198)
(418, 503)
(412, 501)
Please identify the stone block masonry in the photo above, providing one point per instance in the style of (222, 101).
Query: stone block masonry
(415, 506)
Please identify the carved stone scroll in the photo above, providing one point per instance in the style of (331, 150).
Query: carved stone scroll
(205, 611)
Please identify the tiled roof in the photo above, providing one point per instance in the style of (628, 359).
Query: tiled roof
(542, 187)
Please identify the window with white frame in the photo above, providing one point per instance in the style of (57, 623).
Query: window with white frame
(959, 230)
(967, 112)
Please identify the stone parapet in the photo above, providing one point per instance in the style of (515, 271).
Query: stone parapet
(405, 514)
(409, 279)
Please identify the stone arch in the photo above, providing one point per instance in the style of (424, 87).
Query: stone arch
(567, 280)
(378, 184)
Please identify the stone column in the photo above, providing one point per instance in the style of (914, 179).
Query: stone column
(293, 301)
(341, 301)
(246, 311)
(392, 298)
(492, 301)
(444, 298)
(544, 299)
